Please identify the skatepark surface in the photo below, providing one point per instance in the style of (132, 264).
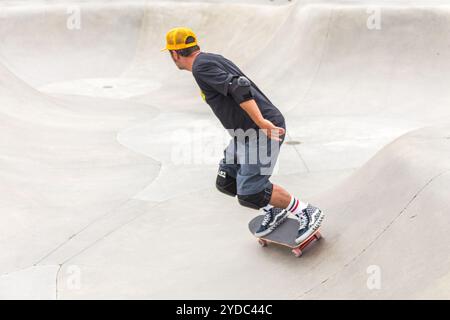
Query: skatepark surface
(108, 155)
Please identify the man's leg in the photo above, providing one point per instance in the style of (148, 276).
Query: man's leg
(280, 197)
(310, 218)
(255, 190)
(252, 198)
(226, 183)
(283, 199)
(226, 176)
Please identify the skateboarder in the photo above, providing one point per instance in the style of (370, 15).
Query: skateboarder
(257, 128)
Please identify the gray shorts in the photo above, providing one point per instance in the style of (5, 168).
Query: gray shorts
(251, 163)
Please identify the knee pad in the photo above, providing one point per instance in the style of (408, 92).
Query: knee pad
(257, 200)
(225, 183)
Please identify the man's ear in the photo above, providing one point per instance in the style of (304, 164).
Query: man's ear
(174, 55)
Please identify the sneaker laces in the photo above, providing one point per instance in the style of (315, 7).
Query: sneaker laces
(309, 210)
(267, 217)
(303, 219)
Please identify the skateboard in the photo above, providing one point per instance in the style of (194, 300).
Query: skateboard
(284, 235)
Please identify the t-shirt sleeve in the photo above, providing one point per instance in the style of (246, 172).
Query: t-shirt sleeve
(214, 76)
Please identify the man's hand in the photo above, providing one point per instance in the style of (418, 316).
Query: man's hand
(272, 131)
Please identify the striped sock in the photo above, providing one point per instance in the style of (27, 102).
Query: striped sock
(296, 206)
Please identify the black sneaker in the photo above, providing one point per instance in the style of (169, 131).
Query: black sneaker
(272, 219)
(310, 220)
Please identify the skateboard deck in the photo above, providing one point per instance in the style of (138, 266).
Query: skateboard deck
(284, 235)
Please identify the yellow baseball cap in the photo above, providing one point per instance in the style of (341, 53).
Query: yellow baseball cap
(176, 39)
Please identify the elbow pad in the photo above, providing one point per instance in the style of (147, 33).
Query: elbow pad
(240, 89)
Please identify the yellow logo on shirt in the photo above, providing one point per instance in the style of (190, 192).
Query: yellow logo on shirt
(203, 96)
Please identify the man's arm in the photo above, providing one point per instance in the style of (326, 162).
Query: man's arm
(272, 131)
(240, 89)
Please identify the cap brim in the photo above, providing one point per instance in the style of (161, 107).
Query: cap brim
(185, 47)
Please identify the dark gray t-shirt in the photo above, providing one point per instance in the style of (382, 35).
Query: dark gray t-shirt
(213, 74)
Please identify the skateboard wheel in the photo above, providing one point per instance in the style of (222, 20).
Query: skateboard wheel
(297, 252)
(262, 242)
(318, 235)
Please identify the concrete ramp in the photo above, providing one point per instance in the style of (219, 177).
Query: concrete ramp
(390, 217)
(108, 155)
